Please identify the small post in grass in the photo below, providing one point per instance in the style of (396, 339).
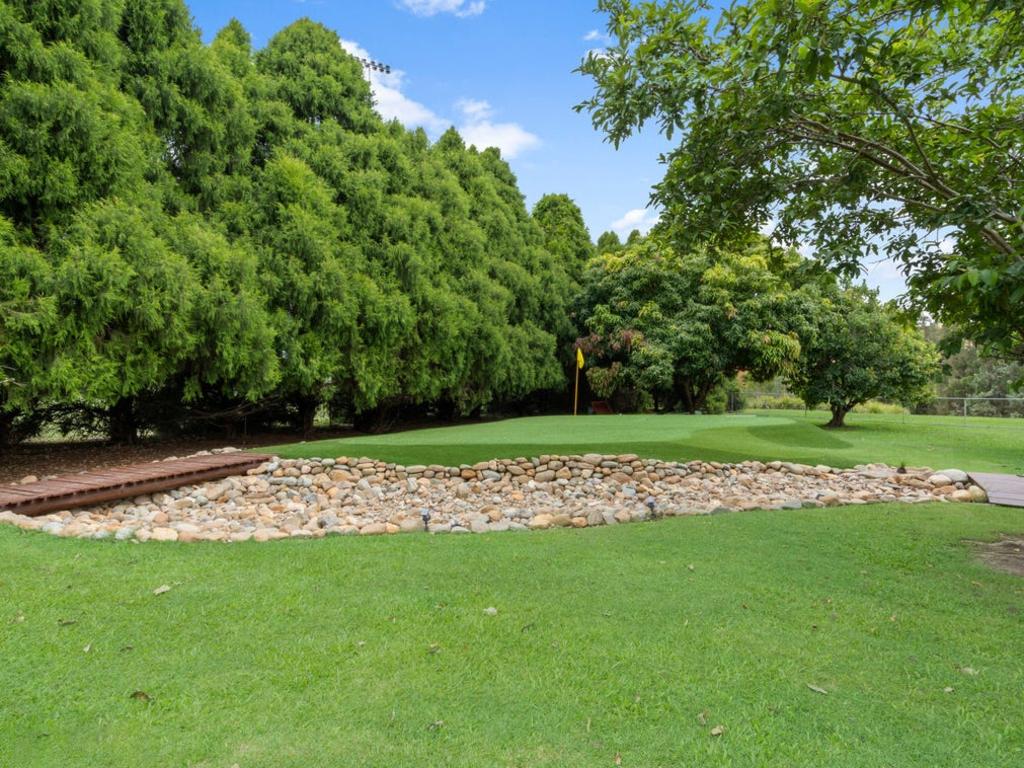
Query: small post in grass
(576, 393)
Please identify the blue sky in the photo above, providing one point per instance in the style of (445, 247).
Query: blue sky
(501, 71)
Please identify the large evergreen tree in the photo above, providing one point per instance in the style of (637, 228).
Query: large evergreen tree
(194, 232)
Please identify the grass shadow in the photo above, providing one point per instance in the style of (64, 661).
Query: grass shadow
(803, 435)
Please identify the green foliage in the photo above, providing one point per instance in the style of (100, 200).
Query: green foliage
(861, 351)
(28, 313)
(608, 242)
(858, 128)
(877, 406)
(125, 302)
(678, 323)
(565, 234)
(204, 230)
(968, 373)
(314, 76)
(68, 134)
(775, 403)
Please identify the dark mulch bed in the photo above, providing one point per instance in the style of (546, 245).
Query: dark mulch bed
(56, 458)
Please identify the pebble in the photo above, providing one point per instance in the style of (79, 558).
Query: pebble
(313, 498)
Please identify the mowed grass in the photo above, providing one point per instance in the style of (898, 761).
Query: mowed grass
(979, 444)
(613, 645)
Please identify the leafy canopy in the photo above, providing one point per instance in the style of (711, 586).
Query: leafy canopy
(673, 324)
(862, 350)
(195, 233)
(859, 127)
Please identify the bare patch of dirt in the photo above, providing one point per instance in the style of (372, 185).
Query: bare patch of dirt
(1005, 555)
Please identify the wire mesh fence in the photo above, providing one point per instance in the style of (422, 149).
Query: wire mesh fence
(1006, 407)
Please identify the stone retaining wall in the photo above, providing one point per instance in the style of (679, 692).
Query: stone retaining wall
(311, 498)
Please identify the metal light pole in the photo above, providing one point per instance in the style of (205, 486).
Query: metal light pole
(375, 66)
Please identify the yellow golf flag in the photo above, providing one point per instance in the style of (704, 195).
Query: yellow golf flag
(579, 357)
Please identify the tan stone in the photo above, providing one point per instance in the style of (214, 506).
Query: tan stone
(540, 522)
(265, 534)
(164, 534)
(492, 512)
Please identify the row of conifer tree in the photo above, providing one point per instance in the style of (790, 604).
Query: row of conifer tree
(199, 236)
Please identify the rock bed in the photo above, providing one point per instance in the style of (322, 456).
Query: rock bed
(313, 498)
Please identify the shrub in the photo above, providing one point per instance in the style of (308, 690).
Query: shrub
(877, 406)
(775, 403)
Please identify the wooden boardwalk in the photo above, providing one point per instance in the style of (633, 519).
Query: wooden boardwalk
(88, 488)
(1007, 490)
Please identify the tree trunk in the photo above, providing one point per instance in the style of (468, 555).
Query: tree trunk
(6, 429)
(307, 415)
(123, 427)
(446, 410)
(838, 416)
(376, 420)
(685, 396)
(700, 398)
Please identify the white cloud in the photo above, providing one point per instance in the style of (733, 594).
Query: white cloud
(478, 129)
(461, 8)
(637, 218)
(510, 138)
(475, 124)
(474, 109)
(392, 104)
(595, 34)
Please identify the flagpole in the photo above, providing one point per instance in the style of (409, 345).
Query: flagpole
(576, 394)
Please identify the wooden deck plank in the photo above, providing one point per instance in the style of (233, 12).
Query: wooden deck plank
(1006, 490)
(87, 488)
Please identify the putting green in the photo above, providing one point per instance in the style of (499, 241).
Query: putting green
(994, 445)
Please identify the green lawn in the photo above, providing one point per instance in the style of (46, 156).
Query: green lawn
(378, 652)
(980, 444)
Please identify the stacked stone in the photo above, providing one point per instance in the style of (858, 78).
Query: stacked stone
(313, 498)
